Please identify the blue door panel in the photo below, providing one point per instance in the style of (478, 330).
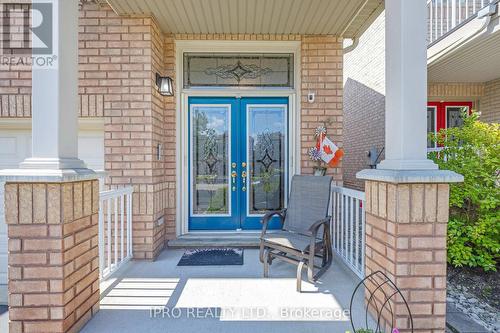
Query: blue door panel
(231, 222)
(239, 217)
(250, 221)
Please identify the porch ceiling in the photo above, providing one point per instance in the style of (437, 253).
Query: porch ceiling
(336, 17)
(478, 60)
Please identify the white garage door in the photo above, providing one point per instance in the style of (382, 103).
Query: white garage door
(15, 146)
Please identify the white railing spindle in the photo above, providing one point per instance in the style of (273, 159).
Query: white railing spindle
(114, 232)
(115, 207)
(446, 15)
(101, 237)
(349, 228)
(356, 233)
(130, 228)
(108, 209)
(363, 230)
(122, 218)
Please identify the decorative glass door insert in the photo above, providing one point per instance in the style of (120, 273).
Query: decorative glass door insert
(238, 161)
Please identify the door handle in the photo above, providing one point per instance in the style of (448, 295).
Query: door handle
(233, 179)
(244, 179)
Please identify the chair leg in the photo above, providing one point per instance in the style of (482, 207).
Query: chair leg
(310, 270)
(267, 262)
(261, 252)
(300, 266)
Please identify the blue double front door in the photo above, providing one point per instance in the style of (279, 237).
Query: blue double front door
(238, 161)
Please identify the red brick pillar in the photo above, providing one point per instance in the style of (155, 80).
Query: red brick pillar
(53, 255)
(406, 225)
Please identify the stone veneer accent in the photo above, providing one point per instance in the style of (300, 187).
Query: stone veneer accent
(53, 255)
(406, 227)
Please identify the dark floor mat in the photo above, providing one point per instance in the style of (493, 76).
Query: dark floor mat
(212, 257)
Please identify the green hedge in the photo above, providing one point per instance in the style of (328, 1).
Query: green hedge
(472, 150)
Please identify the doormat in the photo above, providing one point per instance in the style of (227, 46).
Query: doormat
(212, 257)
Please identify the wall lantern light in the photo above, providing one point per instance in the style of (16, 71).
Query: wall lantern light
(164, 85)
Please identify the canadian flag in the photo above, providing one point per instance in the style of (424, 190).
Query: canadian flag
(330, 153)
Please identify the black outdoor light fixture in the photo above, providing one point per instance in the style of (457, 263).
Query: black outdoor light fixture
(164, 85)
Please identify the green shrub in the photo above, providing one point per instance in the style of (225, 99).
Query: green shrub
(472, 150)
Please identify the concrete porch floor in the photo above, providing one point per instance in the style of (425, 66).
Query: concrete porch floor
(223, 298)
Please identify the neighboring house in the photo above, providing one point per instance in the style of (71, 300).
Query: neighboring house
(463, 75)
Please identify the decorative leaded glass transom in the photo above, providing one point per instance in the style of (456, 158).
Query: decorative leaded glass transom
(238, 70)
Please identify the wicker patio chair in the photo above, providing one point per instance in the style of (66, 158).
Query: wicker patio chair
(305, 232)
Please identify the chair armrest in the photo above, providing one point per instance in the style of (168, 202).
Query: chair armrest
(323, 222)
(265, 220)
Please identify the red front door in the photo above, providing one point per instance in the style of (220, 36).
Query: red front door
(442, 115)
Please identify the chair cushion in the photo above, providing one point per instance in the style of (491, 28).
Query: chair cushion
(287, 239)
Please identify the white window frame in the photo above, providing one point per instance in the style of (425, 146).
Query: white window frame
(435, 108)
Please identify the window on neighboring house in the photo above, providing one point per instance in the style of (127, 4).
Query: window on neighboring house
(442, 115)
(454, 115)
(431, 124)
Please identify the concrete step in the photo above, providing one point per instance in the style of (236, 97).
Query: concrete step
(459, 322)
(217, 239)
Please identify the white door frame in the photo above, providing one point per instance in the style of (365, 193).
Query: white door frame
(182, 96)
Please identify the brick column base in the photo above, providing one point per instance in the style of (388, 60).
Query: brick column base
(53, 255)
(406, 239)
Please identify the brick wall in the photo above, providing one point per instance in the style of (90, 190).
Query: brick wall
(406, 227)
(118, 61)
(449, 91)
(490, 103)
(53, 255)
(169, 152)
(322, 74)
(119, 57)
(15, 80)
(364, 101)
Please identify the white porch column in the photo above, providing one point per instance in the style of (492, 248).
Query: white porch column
(406, 86)
(55, 94)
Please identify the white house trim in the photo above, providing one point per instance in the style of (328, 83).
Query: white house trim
(183, 95)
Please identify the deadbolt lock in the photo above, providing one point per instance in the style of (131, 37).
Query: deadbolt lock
(233, 165)
(244, 164)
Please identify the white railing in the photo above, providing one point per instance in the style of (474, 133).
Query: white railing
(115, 230)
(438, 151)
(435, 150)
(348, 227)
(446, 15)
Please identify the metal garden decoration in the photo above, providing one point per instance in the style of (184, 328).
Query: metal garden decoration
(380, 293)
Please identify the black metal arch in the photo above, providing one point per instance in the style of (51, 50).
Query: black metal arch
(379, 279)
